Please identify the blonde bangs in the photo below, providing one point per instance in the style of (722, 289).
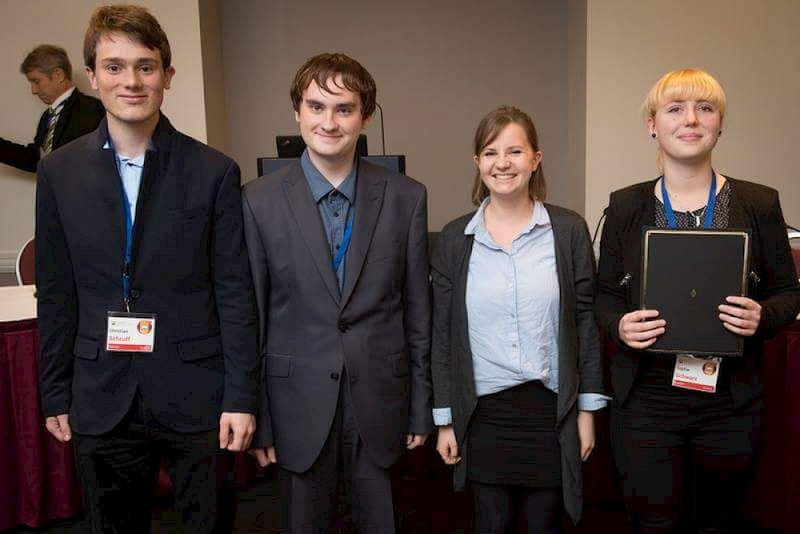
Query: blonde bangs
(684, 84)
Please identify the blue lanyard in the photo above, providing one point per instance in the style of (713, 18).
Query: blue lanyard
(712, 200)
(348, 231)
(126, 266)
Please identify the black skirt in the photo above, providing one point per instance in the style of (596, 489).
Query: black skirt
(512, 439)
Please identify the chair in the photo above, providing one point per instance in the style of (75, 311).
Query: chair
(794, 241)
(26, 265)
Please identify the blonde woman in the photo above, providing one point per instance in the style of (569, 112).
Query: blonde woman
(674, 446)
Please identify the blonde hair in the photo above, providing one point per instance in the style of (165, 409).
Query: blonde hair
(683, 84)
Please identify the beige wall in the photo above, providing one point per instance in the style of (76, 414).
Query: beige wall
(750, 47)
(27, 23)
(439, 67)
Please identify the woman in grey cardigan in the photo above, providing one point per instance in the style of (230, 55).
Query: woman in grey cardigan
(515, 356)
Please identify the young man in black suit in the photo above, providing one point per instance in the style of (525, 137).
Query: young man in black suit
(69, 114)
(338, 251)
(146, 309)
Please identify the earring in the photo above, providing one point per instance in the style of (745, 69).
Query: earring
(653, 135)
(719, 133)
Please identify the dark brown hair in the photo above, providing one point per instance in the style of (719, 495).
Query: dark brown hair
(323, 68)
(488, 130)
(135, 22)
(47, 58)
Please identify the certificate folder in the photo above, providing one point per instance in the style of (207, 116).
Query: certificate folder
(687, 275)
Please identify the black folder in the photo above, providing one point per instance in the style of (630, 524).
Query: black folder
(686, 275)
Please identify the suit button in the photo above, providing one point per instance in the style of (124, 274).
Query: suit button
(343, 326)
(136, 293)
(335, 376)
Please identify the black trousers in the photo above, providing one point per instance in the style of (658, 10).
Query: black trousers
(505, 509)
(686, 458)
(313, 495)
(118, 472)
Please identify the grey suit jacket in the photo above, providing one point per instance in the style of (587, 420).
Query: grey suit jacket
(579, 349)
(377, 329)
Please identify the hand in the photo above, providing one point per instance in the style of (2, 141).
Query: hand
(586, 433)
(415, 440)
(236, 430)
(58, 426)
(447, 445)
(640, 329)
(264, 455)
(742, 318)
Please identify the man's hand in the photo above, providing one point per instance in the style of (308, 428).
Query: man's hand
(447, 446)
(58, 426)
(415, 440)
(264, 455)
(236, 430)
(586, 433)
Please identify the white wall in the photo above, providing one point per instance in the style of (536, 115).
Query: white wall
(28, 23)
(750, 47)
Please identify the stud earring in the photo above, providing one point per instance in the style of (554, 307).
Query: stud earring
(653, 135)
(719, 133)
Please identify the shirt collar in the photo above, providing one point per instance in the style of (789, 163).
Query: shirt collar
(477, 226)
(138, 161)
(320, 186)
(58, 102)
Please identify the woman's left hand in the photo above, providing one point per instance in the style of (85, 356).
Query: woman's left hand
(742, 317)
(586, 433)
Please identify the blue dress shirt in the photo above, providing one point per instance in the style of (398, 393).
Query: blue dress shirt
(513, 306)
(333, 204)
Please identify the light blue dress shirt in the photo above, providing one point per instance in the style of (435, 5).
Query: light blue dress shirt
(513, 305)
(130, 172)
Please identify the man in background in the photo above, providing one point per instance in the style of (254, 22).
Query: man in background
(69, 115)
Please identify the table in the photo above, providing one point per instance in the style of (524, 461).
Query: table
(37, 479)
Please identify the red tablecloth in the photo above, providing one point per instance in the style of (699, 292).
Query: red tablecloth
(37, 479)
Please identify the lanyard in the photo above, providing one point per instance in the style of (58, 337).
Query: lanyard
(348, 231)
(126, 265)
(712, 200)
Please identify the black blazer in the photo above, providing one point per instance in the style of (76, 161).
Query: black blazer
(754, 208)
(190, 268)
(578, 345)
(378, 329)
(80, 115)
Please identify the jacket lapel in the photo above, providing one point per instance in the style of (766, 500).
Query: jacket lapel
(105, 180)
(369, 199)
(464, 252)
(307, 218)
(63, 118)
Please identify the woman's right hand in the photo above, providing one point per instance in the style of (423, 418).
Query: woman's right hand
(447, 446)
(640, 329)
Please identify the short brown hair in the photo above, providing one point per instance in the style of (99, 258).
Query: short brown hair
(47, 58)
(488, 130)
(323, 68)
(135, 22)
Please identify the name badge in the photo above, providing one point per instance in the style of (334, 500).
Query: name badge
(699, 374)
(130, 332)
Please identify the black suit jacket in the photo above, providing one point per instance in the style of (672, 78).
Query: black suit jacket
(754, 208)
(80, 115)
(189, 267)
(378, 329)
(578, 345)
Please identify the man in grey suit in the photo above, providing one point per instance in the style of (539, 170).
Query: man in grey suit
(338, 251)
